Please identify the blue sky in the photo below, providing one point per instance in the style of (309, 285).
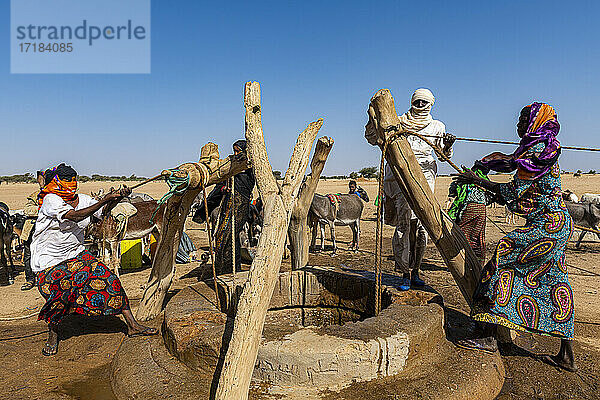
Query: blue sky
(482, 60)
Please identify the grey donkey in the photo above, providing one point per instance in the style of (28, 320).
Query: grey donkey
(345, 209)
(586, 215)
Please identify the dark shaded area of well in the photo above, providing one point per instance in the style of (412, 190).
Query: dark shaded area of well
(311, 297)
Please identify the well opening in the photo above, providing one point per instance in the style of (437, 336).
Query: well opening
(314, 296)
(320, 331)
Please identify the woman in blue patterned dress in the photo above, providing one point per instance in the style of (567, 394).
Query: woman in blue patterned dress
(525, 286)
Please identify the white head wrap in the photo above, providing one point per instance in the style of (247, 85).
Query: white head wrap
(418, 118)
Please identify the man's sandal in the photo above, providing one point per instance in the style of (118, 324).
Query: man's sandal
(28, 285)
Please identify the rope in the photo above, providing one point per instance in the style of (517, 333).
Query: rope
(18, 318)
(586, 229)
(233, 230)
(495, 224)
(379, 230)
(210, 248)
(147, 181)
(465, 139)
(437, 150)
(441, 155)
(174, 180)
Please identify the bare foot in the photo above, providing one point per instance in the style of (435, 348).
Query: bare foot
(51, 346)
(141, 330)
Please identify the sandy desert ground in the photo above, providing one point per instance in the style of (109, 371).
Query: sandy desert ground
(80, 370)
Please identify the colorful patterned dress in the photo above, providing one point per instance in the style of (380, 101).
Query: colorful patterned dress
(526, 285)
(469, 212)
(81, 285)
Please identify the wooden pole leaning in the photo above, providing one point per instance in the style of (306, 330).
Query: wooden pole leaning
(208, 171)
(449, 239)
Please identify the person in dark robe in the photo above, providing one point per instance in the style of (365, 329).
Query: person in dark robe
(213, 200)
(237, 204)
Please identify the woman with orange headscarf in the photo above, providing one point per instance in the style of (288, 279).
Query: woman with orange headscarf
(525, 286)
(69, 277)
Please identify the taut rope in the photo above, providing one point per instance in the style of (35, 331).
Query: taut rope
(586, 229)
(379, 231)
(137, 185)
(465, 139)
(6, 319)
(447, 159)
(210, 248)
(233, 230)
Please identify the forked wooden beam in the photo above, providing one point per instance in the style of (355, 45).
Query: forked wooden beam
(234, 381)
(298, 230)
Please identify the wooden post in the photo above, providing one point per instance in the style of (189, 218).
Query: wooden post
(240, 358)
(448, 238)
(298, 230)
(208, 171)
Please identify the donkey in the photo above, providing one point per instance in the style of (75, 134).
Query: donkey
(6, 236)
(586, 215)
(567, 195)
(108, 231)
(339, 209)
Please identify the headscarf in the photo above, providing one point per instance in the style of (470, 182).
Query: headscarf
(61, 181)
(543, 127)
(241, 144)
(417, 118)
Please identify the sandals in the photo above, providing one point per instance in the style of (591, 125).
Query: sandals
(48, 350)
(551, 361)
(28, 285)
(145, 332)
(405, 285)
(485, 345)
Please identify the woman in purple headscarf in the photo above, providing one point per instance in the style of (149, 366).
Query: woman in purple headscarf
(525, 286)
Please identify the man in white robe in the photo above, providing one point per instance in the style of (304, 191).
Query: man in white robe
(410, 237)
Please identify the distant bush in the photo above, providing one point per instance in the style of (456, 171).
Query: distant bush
(368, 172)
(25, 178)
(353, 175)
(592, 172)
